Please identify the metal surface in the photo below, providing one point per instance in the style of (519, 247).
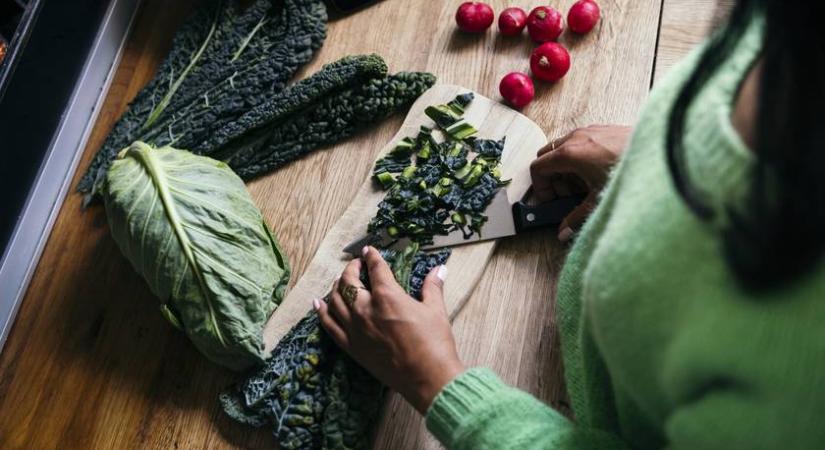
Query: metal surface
(54, 177)
(354, 247)
(382, 241)
(503, 219)
(499, 224)
(17, 43)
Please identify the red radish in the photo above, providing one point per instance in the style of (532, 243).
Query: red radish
(550, 62)
(474, 17)
(511, 21)
(583, 16)
(517, 88)
(545, 24)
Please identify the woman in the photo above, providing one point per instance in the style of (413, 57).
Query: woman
(692, 303)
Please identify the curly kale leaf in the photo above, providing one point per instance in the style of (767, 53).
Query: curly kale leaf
(331, 119)
(225, 60)
(421, 266)
(255, 125)
(310, 391)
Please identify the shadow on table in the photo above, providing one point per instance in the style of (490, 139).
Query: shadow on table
(460, 40)
(113, 346)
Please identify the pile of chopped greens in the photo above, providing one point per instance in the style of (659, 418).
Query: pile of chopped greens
(436, 187)
(312, 393)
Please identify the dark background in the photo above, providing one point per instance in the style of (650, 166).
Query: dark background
(37, 93)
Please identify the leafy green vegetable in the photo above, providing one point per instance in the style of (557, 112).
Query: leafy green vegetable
(331, 105)
(435, 187)
(448, 117)
(224, 61)
(256, 124)
(338, 117)
(310, 391)
(189, 227)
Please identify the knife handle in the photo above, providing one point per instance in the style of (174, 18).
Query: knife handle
(527, 217)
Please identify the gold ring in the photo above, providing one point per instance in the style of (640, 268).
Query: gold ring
(350, 294)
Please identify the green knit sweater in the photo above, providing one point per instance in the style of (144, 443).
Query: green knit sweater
(662, 349)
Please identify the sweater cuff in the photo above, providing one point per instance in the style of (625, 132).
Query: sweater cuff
(467, 393)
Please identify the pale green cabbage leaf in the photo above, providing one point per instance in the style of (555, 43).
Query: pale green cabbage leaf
(189, 227)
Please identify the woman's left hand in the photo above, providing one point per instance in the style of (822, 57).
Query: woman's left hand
(406, 344)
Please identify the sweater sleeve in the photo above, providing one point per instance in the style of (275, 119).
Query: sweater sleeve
(478, 411)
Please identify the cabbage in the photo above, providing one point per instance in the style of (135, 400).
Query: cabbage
(190, 228)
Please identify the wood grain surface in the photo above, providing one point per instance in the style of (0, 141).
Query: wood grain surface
(91, 364)
(682, 23)
(467, 262)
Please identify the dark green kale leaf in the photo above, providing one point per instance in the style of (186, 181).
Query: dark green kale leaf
(256, 124)
(341, 99)
(488, 148)
(225, 60)
(332, 119)
(311, 392)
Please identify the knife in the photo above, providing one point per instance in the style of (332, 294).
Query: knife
(503, 219)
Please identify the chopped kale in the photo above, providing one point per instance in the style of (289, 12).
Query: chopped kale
(488, 148)
(445, 189)
(448, 117)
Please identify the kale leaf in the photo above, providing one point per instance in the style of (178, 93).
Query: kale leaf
(341, 99)
(225, 60)
(310, 391)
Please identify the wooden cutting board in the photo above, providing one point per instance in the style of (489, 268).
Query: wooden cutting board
(467, 262)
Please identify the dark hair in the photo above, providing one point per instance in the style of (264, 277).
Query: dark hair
(779, 232)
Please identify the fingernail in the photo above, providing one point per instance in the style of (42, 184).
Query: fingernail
(316, 304)
(365, 250)
(566, 234)
(442, 272)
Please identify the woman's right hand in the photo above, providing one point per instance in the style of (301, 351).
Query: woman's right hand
(580, 161)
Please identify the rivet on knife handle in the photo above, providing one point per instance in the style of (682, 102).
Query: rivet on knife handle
(527, 217)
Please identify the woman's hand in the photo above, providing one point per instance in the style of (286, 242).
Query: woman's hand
(580, 161)
(406, 344)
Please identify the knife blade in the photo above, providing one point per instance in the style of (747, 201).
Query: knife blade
(507, 219)
(503, 219)
(382, 240)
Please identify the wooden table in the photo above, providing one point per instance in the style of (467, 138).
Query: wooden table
(90, 362)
